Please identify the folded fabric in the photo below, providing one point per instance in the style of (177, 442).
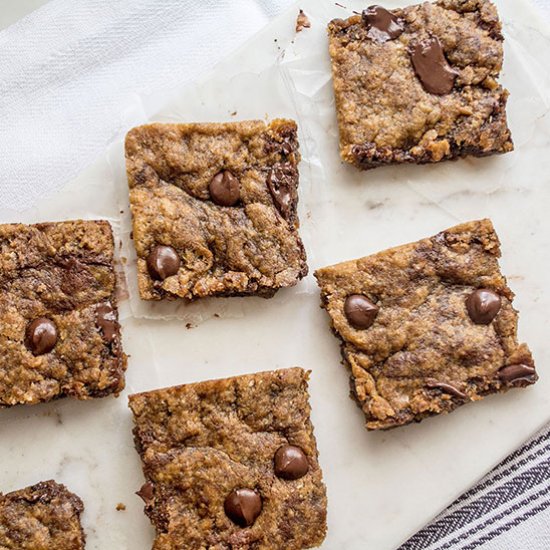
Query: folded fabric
(508, 510)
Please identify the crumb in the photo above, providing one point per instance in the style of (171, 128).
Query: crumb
(217, 315)
(120, 507)
(122, 211)
(234, 113)
(302, 22)
(189, 326)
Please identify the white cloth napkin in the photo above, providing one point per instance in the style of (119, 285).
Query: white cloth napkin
(544, 6)
(69, 71)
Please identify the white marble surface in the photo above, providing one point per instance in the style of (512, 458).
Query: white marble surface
(381, 486)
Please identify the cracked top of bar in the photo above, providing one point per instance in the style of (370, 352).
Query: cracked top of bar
(60, 334)
(427, 326)
(201, 442)
(391, 110)
(45, 516)
(214, 208)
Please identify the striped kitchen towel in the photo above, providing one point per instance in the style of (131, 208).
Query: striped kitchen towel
(508, 510)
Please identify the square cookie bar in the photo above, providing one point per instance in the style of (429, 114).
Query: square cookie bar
(427, 326)
(60, 334)
(214, 208)
(419, 84)
(45, 516)
(231, 463)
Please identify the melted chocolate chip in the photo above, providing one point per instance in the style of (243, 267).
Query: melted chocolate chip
(360, 311)
(105, 319)
(290, 462)
(225, 189)
(146, 493)
(243, 506)
(517, 374)
(282, 182)
(483, 306)
(446, 388)
(431, 67)
(382, 25)
(41, 336)
(163, 262)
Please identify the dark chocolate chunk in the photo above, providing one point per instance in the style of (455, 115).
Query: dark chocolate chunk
(225, 189)
(483, 306)
(243, 506)
(162, 262)
(517, 373)
(446, 388)
(105, 318)
(41, 336)
(282, 181)
(431, 66)
(290, 462)
(360, 311)
(382, 25)
(147, 492)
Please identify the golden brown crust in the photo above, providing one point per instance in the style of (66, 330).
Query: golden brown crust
(45, 516)
(423, 336)
(62, 271)
(249, 248)
(386, 116)
(200, 441)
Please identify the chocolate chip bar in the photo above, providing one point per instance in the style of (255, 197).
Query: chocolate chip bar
(231, 463)
(214, 208)
(60, 334)
(419, 84)
(427, 326)
(44, 516)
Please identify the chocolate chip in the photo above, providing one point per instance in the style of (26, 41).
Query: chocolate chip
(105, 319)
(146, 493)
(483, 306)
(517, 374)
(243, 506)
(431, 67)
(382, 25)
(41, 336)
(282, 181)
(360, 311)
(163, 262)
(446, 388)
(290, 462)
(225, 189)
